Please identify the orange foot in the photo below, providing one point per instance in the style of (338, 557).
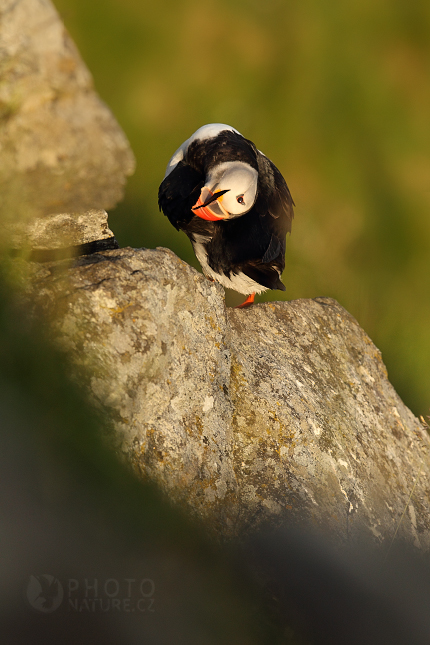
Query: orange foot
(248, 302)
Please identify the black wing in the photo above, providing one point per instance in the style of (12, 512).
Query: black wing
(178, 193)
(249, 244)
(274, 206)
(258, 237)
(277, 201)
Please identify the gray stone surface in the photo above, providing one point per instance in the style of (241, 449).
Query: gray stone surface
(61, 230)
(282, 410)
(61, 148)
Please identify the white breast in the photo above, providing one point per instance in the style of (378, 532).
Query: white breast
(238, 282)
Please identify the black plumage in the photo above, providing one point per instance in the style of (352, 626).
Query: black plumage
(245, 252)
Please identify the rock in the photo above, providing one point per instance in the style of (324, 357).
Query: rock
(282, 411)
(61, 231)
(62, 150)
(125, 566)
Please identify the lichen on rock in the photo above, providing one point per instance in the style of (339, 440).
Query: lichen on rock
(282, 411)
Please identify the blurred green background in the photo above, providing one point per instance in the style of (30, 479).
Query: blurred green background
(336, 93)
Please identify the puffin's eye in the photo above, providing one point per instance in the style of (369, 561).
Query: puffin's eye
(240, 200)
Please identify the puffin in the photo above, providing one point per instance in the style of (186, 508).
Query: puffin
(234, 205)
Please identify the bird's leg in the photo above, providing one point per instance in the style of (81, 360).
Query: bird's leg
(248, 302)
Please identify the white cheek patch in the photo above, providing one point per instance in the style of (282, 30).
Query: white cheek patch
(238, 178)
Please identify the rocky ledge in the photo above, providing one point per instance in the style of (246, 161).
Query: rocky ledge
(279, 412)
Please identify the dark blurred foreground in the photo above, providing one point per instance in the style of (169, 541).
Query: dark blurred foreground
(91, 555)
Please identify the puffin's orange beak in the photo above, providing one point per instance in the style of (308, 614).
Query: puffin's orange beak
(203, 209)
